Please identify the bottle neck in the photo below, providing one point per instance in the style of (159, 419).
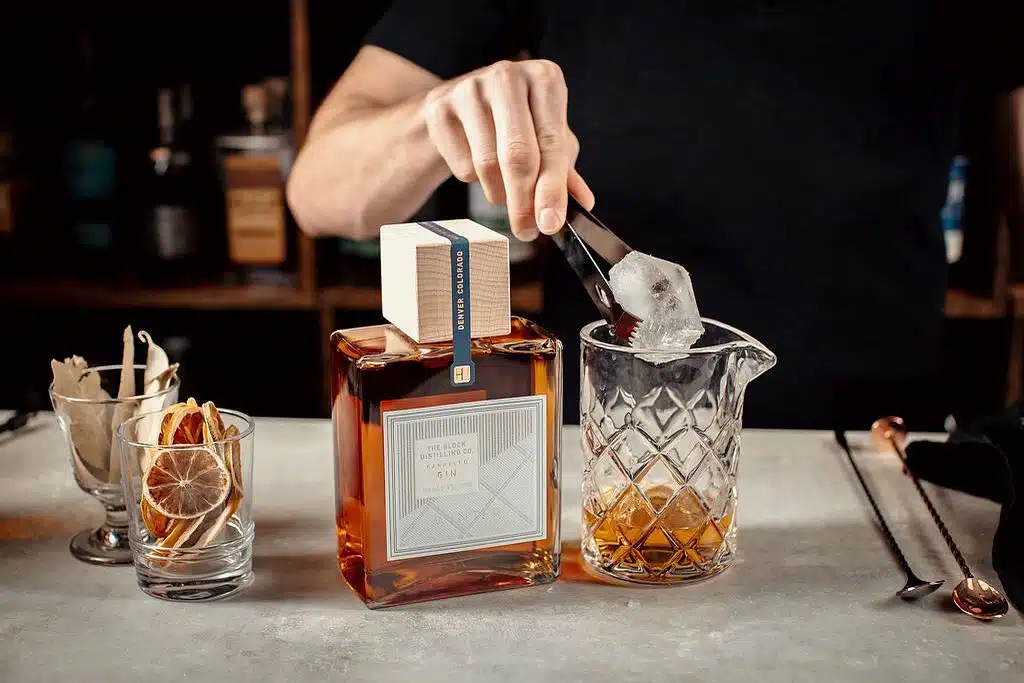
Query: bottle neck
(165, 118)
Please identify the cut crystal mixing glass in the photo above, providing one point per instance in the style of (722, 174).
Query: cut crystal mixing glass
(661, 440)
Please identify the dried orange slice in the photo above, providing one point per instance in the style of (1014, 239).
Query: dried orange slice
(213, 425)
(183, 484)
(233, 456)
(157, 524)
(182, 423)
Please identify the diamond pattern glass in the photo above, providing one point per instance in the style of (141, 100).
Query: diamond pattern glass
(661, 439)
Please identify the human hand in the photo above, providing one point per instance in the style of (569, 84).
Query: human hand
(506, 126)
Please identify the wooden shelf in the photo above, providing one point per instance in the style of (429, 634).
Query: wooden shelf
(960, 305)
(526, 298)
(71, 293)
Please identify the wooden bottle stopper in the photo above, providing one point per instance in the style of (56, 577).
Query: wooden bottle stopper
(422, 264)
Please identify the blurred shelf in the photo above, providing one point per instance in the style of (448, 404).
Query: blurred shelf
(526, 298)
(960, 305)
(72, 293)
(129, 9)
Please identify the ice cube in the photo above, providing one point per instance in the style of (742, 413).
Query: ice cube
(660, 293)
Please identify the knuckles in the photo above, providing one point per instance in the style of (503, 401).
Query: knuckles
(546, 70)
(521, 158)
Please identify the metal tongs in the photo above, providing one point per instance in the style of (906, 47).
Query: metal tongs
(581, 235)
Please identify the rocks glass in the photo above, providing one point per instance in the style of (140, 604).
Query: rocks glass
(89, 425)
(190, 508)
(661, 443)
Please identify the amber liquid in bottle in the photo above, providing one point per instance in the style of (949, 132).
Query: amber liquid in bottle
(377, 370)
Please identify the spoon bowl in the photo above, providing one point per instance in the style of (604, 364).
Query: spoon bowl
(918, 588)
(980, 600)
(889, 433)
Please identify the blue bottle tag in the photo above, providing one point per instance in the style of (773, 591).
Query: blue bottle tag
(463, 370)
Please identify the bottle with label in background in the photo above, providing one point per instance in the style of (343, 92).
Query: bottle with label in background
(447, 425)
(170, 222)
(495, 217)
(91, 176)
(254, 167)
(953, 212)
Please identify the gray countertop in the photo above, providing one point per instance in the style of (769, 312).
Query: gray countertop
(809, 599)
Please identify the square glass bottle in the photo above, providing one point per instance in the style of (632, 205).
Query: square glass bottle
(447, 469)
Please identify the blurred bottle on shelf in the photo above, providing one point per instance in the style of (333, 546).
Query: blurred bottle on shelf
(952, 213)
(187, 135)
(7, 222)
(495, 217)
(254, 166)
(90, 175)
(6, 185)
(171, 192)
(278, 111)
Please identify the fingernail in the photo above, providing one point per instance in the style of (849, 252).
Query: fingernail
(528, 235)
(550, 222)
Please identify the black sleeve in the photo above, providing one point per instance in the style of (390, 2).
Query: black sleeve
(452, 37)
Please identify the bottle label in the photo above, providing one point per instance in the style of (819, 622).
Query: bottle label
(465, 476)
(173, 231)
(94, 234)
(255, 210)
(92, 171)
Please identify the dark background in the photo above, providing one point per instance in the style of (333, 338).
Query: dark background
(269, 362)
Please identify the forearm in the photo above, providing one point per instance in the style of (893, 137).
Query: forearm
(360, 169)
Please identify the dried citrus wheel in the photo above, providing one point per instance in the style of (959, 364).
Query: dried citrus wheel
(183, 484)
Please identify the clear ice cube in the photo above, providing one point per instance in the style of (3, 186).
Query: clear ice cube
(660, 293)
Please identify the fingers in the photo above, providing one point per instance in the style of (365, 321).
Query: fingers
(506, 126)
(449, 138)
(507, 92)
(579, 189)
(479, 130)
(557, 146)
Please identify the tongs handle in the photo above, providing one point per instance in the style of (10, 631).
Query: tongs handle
(595, 234)
(583, 230)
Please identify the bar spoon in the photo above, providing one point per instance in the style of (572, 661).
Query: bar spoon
(915, 587)
(972, 596)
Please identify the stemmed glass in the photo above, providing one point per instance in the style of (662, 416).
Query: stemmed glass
(89, 427)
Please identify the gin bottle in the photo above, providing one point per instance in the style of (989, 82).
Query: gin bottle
(446, 426)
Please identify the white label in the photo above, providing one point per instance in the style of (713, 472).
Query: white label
(465, 476)
(447, 466)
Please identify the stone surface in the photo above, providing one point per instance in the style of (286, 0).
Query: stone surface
(809, 598)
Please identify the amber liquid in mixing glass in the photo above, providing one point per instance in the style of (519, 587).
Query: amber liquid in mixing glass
(664, 539)
(378, 369)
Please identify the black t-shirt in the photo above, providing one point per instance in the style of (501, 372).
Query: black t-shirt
(791, 154)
